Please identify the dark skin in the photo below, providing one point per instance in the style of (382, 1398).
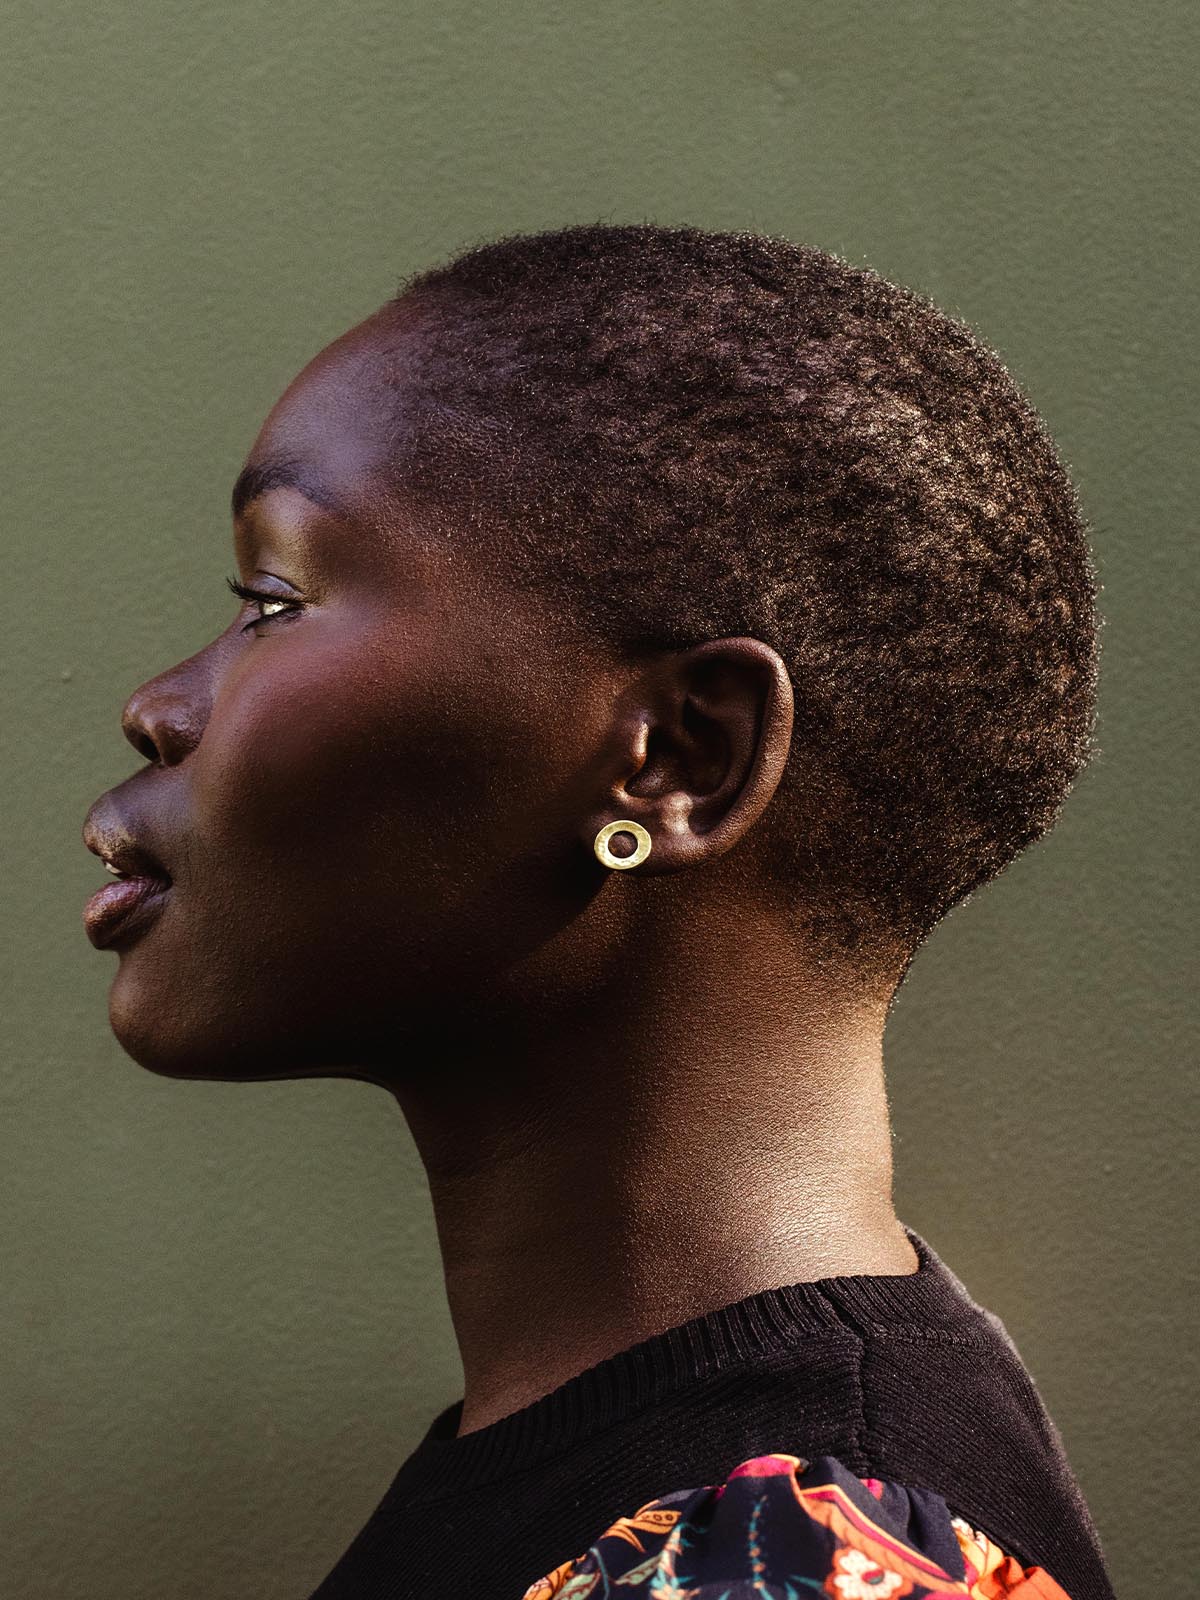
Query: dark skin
(636, 1097)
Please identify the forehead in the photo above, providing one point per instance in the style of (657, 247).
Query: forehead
(356, 504)
(320, 480)
(338, 420)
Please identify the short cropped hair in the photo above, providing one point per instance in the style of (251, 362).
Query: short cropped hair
(681, 435)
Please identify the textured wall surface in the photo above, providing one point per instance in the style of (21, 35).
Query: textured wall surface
(223, 1315)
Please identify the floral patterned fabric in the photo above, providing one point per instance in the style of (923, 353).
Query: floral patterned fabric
(781, 1528)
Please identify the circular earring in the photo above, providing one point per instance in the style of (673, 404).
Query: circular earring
(622, 863)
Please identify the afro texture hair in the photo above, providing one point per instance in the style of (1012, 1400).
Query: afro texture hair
(681, 435)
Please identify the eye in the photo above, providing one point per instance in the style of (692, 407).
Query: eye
(270, 605)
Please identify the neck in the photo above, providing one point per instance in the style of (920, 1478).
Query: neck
(626, 1165)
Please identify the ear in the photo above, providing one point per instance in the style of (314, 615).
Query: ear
(702, 744)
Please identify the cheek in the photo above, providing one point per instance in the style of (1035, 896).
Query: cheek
(351, 788)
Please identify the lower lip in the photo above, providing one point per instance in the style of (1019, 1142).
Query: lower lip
(123, 910)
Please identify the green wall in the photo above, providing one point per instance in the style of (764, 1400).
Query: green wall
(224, 1323)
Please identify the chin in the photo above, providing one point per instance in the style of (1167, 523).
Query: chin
(174, 1036)
(202, 1035)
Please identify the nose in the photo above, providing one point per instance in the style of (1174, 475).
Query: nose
(164, 718)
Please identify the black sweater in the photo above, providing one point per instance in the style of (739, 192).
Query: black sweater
(901, 1378)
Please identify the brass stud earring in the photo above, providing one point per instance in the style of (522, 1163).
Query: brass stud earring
(622, 863)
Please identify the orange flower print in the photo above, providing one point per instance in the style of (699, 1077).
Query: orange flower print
(858, 1576)
(974, 1546)
(552, 1584)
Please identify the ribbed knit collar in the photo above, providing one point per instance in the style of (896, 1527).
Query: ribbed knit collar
(736, 1335)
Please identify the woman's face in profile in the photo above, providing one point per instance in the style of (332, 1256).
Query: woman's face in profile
(370, 793)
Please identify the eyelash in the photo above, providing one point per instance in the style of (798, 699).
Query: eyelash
(256, 596)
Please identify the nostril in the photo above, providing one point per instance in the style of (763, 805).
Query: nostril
(135, 725)
(139, 739)
(163, 719)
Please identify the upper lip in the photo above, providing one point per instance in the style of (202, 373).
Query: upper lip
(108, 836)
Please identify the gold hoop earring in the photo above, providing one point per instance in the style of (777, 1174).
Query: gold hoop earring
(622, 863)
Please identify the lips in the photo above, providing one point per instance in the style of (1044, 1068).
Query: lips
(124, 909)
(121, 911)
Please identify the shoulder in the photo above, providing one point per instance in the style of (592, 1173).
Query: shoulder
(782, 1528)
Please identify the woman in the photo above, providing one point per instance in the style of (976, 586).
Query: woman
(647, 636)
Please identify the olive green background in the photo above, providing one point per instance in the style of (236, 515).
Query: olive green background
(223, 1316)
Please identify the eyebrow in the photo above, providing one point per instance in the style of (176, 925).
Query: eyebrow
(260, 477)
